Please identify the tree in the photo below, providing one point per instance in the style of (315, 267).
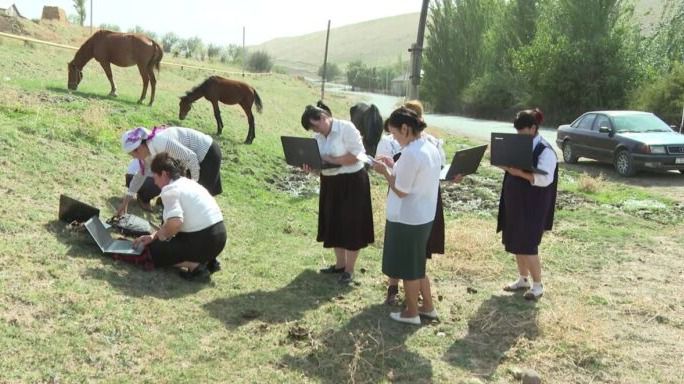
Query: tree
(581, 58)
(194, 48)
(79, 6)
(259, 61)
(169, 41)
(332, 71)
(213, 51)
(454, 55)
(110, 27)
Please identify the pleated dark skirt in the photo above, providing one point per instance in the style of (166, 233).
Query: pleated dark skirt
(210, 170)
(403, 254)
(525, 217)
(345, 214)
(435, 243)
(199, 247)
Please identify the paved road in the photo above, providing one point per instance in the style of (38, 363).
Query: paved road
(670, 184)
(457, 125)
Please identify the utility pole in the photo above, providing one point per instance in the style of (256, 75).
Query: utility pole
(417, 52)
(325, 62)
(244, 52)
(91, 17)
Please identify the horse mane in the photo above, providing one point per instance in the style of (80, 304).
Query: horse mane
(85, 51)
(197, 91)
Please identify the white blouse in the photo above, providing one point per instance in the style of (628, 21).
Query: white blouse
(417, 175)
(547, 162)
(343, 138)
(184, 144)
(388, 146)
(187, 200)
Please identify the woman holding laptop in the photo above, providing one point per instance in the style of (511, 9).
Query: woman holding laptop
(527, 206)
(345, 215)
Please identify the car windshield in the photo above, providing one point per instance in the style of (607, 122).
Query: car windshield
(640, 123)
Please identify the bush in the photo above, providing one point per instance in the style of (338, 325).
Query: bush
(664, 97)
(492, 95)
(259, 61)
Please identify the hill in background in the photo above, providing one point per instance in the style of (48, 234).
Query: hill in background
(376, 42)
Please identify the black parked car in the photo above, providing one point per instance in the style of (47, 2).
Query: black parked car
(630, 140)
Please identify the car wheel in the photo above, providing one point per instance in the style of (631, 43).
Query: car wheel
(569, 153)
(624, 164)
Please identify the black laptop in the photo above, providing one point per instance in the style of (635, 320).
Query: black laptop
(513, 150)
(464, 162)
(303, 150)
(71, 210)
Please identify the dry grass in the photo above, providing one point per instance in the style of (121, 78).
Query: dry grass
(590, 184)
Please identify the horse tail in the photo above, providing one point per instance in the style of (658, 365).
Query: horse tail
(257, 101)
(157, 56)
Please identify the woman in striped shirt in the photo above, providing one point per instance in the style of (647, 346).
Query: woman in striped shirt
(196, 151)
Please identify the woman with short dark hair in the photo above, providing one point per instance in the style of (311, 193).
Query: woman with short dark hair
(193, 233)
(527, 206)
(411, 206)
(345, 214)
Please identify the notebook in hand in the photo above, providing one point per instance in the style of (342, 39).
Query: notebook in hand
(513, 150)
(303, 150)
(105, 241)
(464, 162)
(71, 210)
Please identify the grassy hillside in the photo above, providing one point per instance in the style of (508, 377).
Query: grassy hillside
(376, 42)
(612, 312)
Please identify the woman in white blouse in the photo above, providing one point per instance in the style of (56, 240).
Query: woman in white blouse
(345, 214)
(196, 151)
(193, 233)
(411, 205)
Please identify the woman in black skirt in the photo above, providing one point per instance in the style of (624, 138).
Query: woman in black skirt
(527, 206)
(193, 233)
(411, 207)
(345, 215)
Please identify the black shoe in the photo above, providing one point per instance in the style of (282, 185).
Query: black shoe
(199, 274)
(346, 278)
(213, 266)
(332, 269)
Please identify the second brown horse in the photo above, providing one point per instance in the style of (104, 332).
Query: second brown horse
(217, 88)
(120, 49)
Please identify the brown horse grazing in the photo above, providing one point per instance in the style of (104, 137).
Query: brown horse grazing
(120, 49)
(217, 88)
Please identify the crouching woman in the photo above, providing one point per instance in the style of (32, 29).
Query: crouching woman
(193, 233)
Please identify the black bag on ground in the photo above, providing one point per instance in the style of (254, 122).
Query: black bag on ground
(131, 225)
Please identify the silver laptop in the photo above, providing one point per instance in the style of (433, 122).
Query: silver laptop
(104, 239)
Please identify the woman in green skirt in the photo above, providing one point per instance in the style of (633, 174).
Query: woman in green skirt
(411, 207)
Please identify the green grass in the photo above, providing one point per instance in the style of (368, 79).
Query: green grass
(69, 314)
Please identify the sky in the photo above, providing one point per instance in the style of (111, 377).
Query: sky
(221, 21)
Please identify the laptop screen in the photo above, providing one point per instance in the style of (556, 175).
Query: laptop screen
(74, 210)
(98, 232)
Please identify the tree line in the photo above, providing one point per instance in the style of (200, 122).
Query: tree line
(489, 58)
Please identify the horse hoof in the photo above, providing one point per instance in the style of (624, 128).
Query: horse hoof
(113, 95)
(249, 141)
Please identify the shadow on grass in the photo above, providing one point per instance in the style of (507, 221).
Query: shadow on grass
(492, 331)
(307, 291)
(130, 279)
(92, 96)
(370, 348)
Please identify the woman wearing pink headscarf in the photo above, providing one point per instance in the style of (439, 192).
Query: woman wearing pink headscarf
(196, 151)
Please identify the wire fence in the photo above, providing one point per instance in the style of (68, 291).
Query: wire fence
(64, 46)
